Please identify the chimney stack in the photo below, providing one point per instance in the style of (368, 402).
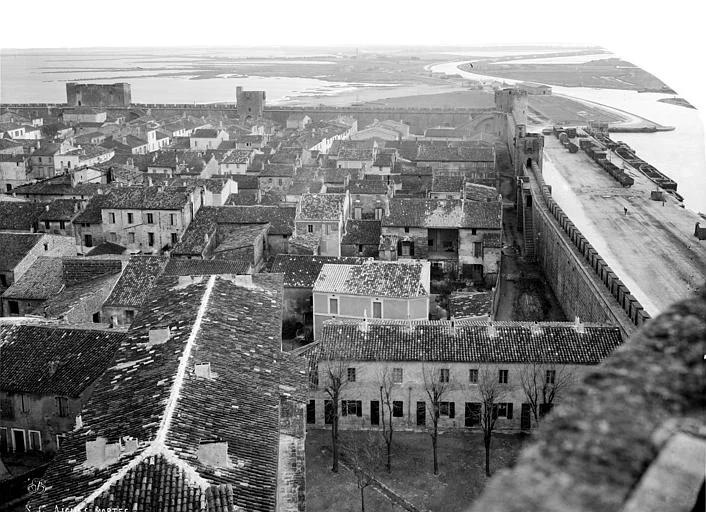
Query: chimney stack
(492, 331)
(578, 326)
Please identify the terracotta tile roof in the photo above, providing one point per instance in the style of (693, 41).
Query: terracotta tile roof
(209, 217)
(71, 301)
(477, 192)
(237, 156)
(17, 215)
(366, 232)
(107, 248)
(147, 198)
(205, 133)
(286, 155)
(320, 207)
(356, 154)
(446, 183)
(441, 131)
(59, 185)
(196, 267)
(136, 281)
(465, 304)
(339, 175)
(48, 276)
(307, 241)
(237, 236)
(15, 246)
(459, 152)
(278, 170)
(235, 325)
(80, 357)
(468, 341)
(442, 213)
(92, 213)
(302, 270)
(61, 209)
(375, 278)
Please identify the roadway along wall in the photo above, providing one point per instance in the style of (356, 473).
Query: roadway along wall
(582, 281)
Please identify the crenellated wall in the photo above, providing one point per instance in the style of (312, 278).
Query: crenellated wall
(581, 279)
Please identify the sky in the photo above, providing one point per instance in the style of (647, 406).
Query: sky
(663, 38)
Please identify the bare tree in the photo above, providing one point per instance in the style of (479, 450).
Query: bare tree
(336, 380)
(364, 458)
(492, 393)
(542, 384)
(436, 386)
(386, 381)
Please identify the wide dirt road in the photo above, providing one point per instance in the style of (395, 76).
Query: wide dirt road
(652, 249)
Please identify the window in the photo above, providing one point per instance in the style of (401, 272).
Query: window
(113, 237)
(444, 375)
(310, 228)
(477, 250)
(7, 411)
(46, 224)
(351, 374)
(175, 238)
(24, 403)
(378, 213)
(431, 242)
(150, 218)
(129, 316)
(129, 218)
(97, 317)
(279, 182)
(351, 408)
(398, 409)
(46, 247)
(131, 238)
(62, 224)
(357, 213)
(447, 409)
(360, 248)
(473, 376)
(60, 439)
(333, 306)
(551, 376)
(111, 218)
(397, 375)
(35, 440)
(88, 240)
(504, 410)
(328, 412)
(311, 412)
(406, 229)
(502, 376)
(14, 307)
(473, 231)
(62, 406)
(150, 239)
(377, 309)
(3, 280)
(172, 219)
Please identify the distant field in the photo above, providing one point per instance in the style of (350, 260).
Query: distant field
(474, 99)
(560, 110)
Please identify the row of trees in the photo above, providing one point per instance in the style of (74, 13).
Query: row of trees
(540, 384)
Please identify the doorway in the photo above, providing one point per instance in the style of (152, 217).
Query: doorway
(374, 412)
(311, 412)
(18, 437)
(421, 414)
(472, 414)
(525, 417)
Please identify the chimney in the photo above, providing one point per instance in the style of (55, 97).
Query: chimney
(578, 326)
(492, 331)
(452, 323)
(203, 370)
(535, 329)
(46, 207)
(159, 336)
(364, 326)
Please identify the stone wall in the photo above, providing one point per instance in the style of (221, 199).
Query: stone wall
(582, 281)
(98, 95)
(291, 473)
(603, 448)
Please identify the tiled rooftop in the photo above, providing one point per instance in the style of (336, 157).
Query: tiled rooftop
(15, 246)
(467, 341)
(61, 209)
(17, 215)
(446, 183)
(147, 198)
(136, 281)
(442, 213)
(54, 361)
(375, 278)
(235, 325)
(460, 152)
(465, 304)
(197, 267)
(320, 207)
(278, 170)
(302, 270)
(59, 185)
(366, 232)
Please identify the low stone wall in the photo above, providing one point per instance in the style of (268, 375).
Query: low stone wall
(601, 449)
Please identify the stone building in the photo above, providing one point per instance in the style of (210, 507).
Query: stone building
(98, 95)
(323, 216)
(48, 375)
(375, 289)
(462, 354)
(249, 104)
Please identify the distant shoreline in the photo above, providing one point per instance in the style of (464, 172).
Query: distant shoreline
(677, 101)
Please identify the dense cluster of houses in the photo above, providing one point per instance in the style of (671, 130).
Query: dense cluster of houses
(149, 263)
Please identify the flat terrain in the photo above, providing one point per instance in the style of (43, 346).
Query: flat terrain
(458, 99)
(652, 248)
(461, 466)
(562, 110)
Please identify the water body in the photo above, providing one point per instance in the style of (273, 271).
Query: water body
(680, 154)
(40, 76)
(569, 59)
